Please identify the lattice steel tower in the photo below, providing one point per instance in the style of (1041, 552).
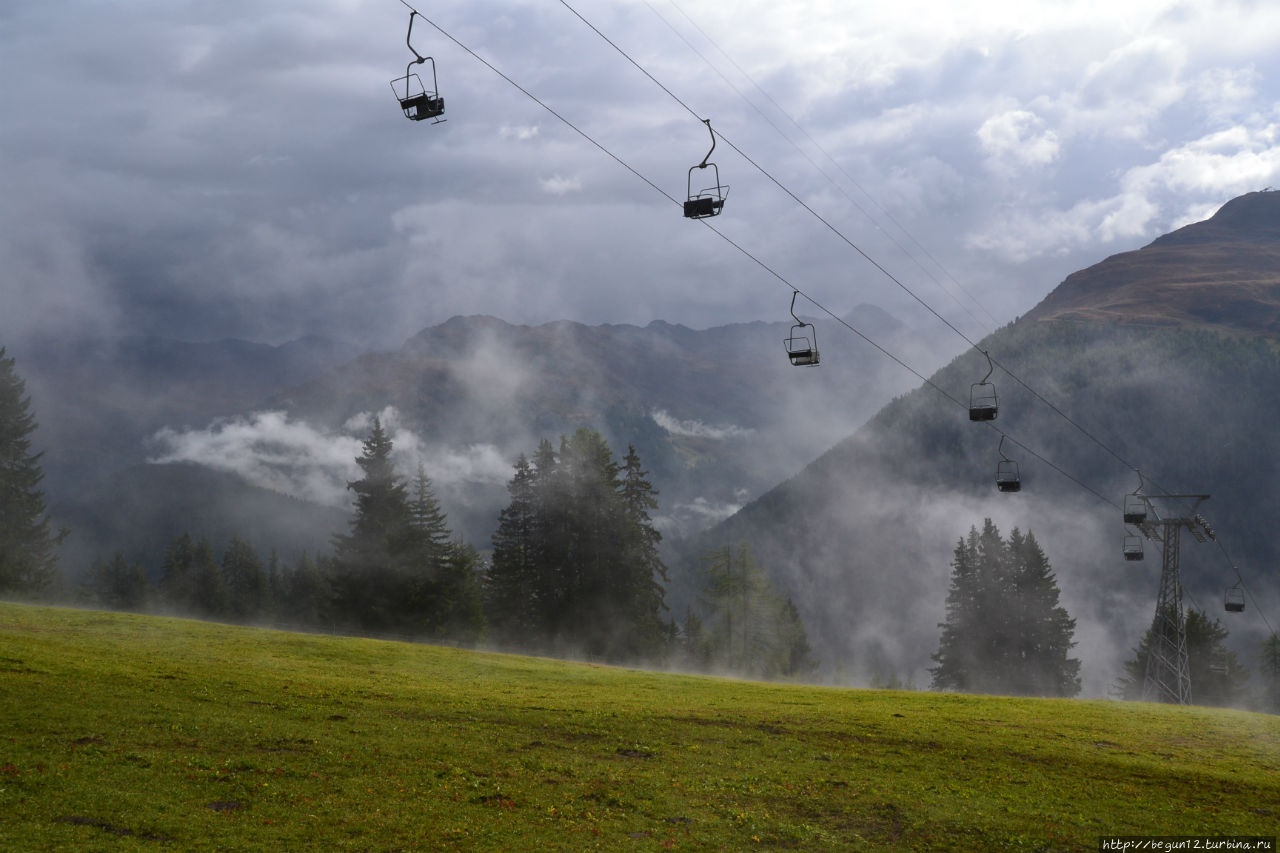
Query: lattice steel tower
(1167, 678)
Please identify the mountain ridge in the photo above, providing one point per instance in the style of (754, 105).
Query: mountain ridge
(1221, 274)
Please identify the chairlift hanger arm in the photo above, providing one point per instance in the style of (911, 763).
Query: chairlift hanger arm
(799, 322)
(703, 164)
(990, 368)
(413, 13)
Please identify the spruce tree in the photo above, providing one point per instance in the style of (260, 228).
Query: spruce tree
(177, 580)
(510, 582)
(644, 575)
(115, 584)
(373, 576)
(1217, 676)
(307, 598)
(575, 564)
(1269, 670)
(28, 543)
(750, 628)
(245, 579)
(430, 534)
(209, 595)
(1004, 631)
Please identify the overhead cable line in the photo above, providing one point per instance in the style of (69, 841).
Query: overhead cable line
(818, 168)
(782, 279)
(848, 241)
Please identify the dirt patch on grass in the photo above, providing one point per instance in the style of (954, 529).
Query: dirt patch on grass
(637, 753)
(123, 832)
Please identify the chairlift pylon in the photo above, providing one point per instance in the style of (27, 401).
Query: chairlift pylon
(800, 349)
(416, 100)
(1233, 601)
(1007, 478)
(983, 404)
(708, 201)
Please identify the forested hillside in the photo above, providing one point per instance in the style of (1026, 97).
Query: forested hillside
(864, 534)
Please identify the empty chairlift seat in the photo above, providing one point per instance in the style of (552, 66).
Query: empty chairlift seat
(983, 404)
(1135, 509)
(800, 349)
(1133, 548)
(708, 201)
(1007, 479)
(416, 100)
(1234, 601)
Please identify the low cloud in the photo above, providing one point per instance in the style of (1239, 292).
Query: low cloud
(269, 450)
(696, 428)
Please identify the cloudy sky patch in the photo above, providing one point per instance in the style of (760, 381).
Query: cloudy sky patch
(237, 170)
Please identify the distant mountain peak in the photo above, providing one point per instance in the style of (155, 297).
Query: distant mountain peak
(1222, 274)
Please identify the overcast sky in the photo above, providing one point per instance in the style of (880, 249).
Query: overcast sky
(240, 168)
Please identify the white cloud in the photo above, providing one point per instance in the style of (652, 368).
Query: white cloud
(1018, 138)
(269, 450)
(1182, 185)
(696, 428)
(521, 133)
(557, 185)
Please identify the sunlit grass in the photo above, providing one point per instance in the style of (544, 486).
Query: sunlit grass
(129, 732)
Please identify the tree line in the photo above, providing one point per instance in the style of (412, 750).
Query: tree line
(574, 568)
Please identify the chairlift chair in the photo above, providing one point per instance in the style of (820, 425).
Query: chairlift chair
(983, 404)
(416, 100)
(1007, 478)
(800, 349)
(708, 201)
(1234, 600)
(1133, 548)
(1135, 509)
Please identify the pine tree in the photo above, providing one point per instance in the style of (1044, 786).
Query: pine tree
(1004, 631)
(958, 660)
(749, 627)
(191, 581)
(307, 598)
(115, 584)
(177, 581)
(209, 596)
(510, 582)
(245, 579)
(459, 607)
(575, 562)
(430, 529)
(28, 543)
(1041, 633)
(1217, 676)
(1269, 669)
(644, 574)
(372, 581)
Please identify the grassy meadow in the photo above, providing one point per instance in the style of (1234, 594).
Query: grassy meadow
(126, 732)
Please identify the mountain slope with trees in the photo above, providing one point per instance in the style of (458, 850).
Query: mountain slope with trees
(862, 536)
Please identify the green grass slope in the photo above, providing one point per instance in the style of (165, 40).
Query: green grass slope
(123, 732)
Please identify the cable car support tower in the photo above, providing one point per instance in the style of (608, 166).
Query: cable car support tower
(1168, 677)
